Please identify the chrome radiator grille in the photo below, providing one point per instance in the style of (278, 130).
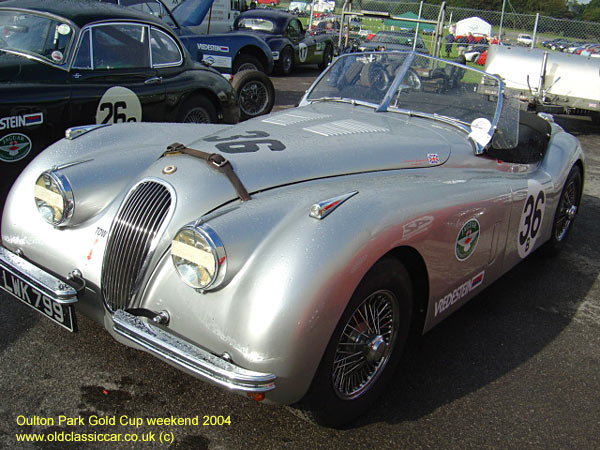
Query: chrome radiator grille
(130, 242)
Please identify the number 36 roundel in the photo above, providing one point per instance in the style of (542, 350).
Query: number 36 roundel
(531, 218)
(119, 104)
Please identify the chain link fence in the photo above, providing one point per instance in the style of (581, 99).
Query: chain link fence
(507, 26)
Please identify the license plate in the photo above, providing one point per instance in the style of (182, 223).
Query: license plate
(62, 314)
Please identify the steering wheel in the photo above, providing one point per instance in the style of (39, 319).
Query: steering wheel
(411, 81)
(379, 79)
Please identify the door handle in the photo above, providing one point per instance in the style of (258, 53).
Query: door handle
(153, 80)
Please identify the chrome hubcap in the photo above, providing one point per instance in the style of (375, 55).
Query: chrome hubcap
(365, 345)
(376, 348)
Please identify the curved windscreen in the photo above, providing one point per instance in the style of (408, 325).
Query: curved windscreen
(418, 84)
(37, 35)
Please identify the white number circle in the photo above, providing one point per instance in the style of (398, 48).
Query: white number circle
(119, 104)
(532, 216)
(302, 52)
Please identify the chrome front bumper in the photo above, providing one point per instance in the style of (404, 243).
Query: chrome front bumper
(37, 278)
(189, 357)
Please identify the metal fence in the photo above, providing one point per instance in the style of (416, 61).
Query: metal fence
(509, 24)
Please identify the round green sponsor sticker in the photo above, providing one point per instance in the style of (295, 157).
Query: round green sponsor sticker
(467, 239)
(14, 147)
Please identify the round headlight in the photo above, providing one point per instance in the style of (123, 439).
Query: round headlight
(54, 198)
(199, 257)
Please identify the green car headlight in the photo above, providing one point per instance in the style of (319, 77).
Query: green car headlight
(199, 257)
(54, 198)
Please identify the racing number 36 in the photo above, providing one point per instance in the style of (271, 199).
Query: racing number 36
(532, 220)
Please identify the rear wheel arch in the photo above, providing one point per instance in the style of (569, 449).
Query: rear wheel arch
(200, 93)
(255, 53)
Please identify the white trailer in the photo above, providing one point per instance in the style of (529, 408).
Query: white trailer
(549, 81)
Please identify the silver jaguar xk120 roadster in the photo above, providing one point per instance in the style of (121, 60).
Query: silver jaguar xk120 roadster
(289, 257)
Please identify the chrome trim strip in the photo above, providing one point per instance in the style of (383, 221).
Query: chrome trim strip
(189, 357)
(161, 65)
(74, 132)
(35, 277)
(322, 209)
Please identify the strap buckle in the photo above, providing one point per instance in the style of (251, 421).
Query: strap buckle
(217, 160)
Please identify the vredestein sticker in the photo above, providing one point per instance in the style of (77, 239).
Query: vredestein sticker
(14, 147)
(467, 239)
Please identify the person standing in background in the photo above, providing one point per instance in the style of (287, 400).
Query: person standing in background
(449, 41)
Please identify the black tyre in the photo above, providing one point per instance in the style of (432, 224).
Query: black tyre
(327, 57)
(197, 109)
(365, 347)
(247, 62)
(255, 93)
(566, 211)
(285, 65)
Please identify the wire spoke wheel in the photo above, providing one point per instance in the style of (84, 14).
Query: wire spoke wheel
(254, 98)
(247, 66)
(197, 115)
(365, 345)
(567, 208)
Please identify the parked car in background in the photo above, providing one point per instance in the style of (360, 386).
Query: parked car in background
(299, 9)
(290, 257)
(227, 52)
(290, 43)
(394, 40)
(524, 39)
(66, 64)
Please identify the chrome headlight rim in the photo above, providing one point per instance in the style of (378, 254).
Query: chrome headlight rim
(218, 252)
(65, 191)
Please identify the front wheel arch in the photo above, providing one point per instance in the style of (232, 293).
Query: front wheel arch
(329, 401)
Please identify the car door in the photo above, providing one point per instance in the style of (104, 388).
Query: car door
(168, 61)
(112, 78)
(303, 44)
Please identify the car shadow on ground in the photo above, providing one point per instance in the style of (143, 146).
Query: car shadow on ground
(497, 331)
(578, 125)
(18, 318)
